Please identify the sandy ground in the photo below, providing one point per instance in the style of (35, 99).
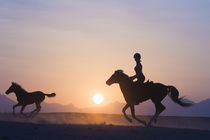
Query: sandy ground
(101, 126)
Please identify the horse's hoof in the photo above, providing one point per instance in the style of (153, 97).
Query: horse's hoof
(130, 121)
(149, 126)
(28, 116)
(155, 121)
(144, 123)
(15, 115)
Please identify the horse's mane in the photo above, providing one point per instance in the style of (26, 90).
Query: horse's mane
(124, 75)
(19, 87)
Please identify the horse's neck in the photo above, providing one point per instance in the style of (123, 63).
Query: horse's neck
(20, 94)
(125, 86)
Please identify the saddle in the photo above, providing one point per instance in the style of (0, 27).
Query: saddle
(146, 85)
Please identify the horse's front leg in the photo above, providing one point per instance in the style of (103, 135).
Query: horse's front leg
(13, 109)
(21, 111)
(123, 110)
(134, 116)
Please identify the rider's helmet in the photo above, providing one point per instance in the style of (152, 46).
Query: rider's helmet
(137, 56)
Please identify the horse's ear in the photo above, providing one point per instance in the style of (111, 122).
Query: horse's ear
(13, 83)
(116, 72)
(119, 71)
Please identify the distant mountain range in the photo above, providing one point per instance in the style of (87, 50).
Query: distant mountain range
(147, 108)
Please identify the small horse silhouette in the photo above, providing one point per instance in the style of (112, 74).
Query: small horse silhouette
(134, 94)
(25, 98)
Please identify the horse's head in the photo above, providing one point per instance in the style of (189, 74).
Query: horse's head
(115, 78)
(11, 88)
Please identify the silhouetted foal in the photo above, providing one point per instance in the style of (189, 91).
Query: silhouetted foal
(25, 98)
(134, 94)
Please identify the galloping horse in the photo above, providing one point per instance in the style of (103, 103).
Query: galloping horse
(25, 98)
(135, 94)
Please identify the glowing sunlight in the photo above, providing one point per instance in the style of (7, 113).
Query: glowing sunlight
(98, 98)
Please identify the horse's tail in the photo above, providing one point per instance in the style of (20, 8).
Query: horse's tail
(173, 93)
(50, 95)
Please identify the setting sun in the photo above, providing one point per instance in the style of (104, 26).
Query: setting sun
(98, 98)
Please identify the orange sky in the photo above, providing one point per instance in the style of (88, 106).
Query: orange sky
(72, 47)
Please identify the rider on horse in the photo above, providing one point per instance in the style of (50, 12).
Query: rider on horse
(139, 74)
(138, 69)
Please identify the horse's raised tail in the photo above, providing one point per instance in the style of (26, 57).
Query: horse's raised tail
(174, 94)
(50, 95)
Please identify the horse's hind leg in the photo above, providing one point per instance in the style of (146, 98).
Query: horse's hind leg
(159, 108)
(124, 109)
(36, 111)
(134, 116)
(32, 112)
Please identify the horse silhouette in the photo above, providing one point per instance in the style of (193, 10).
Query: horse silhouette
(135, 94)
(25, 98)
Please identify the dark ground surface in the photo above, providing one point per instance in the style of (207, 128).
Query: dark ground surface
(100, 126)
(21, 131)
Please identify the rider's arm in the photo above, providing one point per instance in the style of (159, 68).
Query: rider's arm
(133, 77)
